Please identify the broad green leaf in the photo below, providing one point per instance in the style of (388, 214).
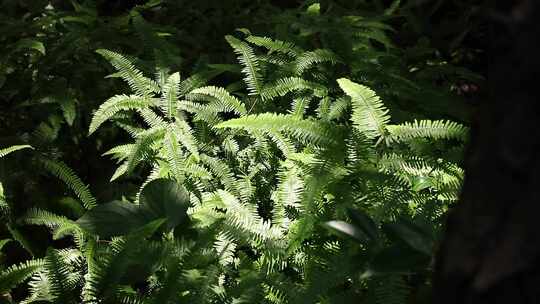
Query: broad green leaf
(165, 198)
(113, 219)
(347, 229)
(364, 222)
(411, 235)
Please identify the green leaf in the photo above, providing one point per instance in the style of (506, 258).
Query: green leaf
(347, 229)
(314, 9)
(420, 183)
(160, 199)
(113, 219)
(411, 235)
(30, 44)
(165, 198)
(364, 222)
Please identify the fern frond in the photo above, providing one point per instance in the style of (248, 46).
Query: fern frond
(61, 280)
(143, 146)
(196, 80)
(170, 95)
(39, 289)
(140, 84)
(306, 60)
(274, 295)
(369, 116)
(306, 131)
(410, 165)
(121, 170)
(61, 225)
(120, 152)
(290, 186)
(8, 150)
(222, 171)
(225, 102)
(299, 106)
(114, 105)
(68, 176)
(16, 274)
(173, 156)
(225, 248)
(185, 136)
(151, 118)
(438, 129)
(283, 143)
(286, 85)
(274, 45)
(338, 108)
(244, 218)
(248, 60)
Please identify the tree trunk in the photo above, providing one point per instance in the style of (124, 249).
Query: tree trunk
(491, 249)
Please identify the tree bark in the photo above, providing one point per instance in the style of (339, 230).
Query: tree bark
(491, 249)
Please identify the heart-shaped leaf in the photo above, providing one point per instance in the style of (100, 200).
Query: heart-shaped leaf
(113, 219)
(164, 198)
(160, 199)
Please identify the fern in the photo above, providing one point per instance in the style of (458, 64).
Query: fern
(306, 131)
(225, 102)
(8, 150)
(369, 114)
(286, 85)
(308, 59)
(142, 85)
(114, 105)
(142, 148)
(16, 274)
(59, 276)
(438, 129)
(170, 95)
(68, 176)
(247, 58)
(274, 45)
(60, 225)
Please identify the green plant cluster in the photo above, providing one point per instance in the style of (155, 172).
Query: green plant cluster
(316, 168)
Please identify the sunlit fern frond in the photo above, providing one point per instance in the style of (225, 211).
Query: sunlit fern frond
(11, 149)
(369, 115)
(274, 45)
(308, 59)
(143, 147)
(223, 100)
(114, 105)
(438, 129)
(17, 274)
(170, 95)
(284, 86)
(303, 130)
(248, 59)
(140, 84)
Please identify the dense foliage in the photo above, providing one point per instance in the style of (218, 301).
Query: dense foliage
(309, 158)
